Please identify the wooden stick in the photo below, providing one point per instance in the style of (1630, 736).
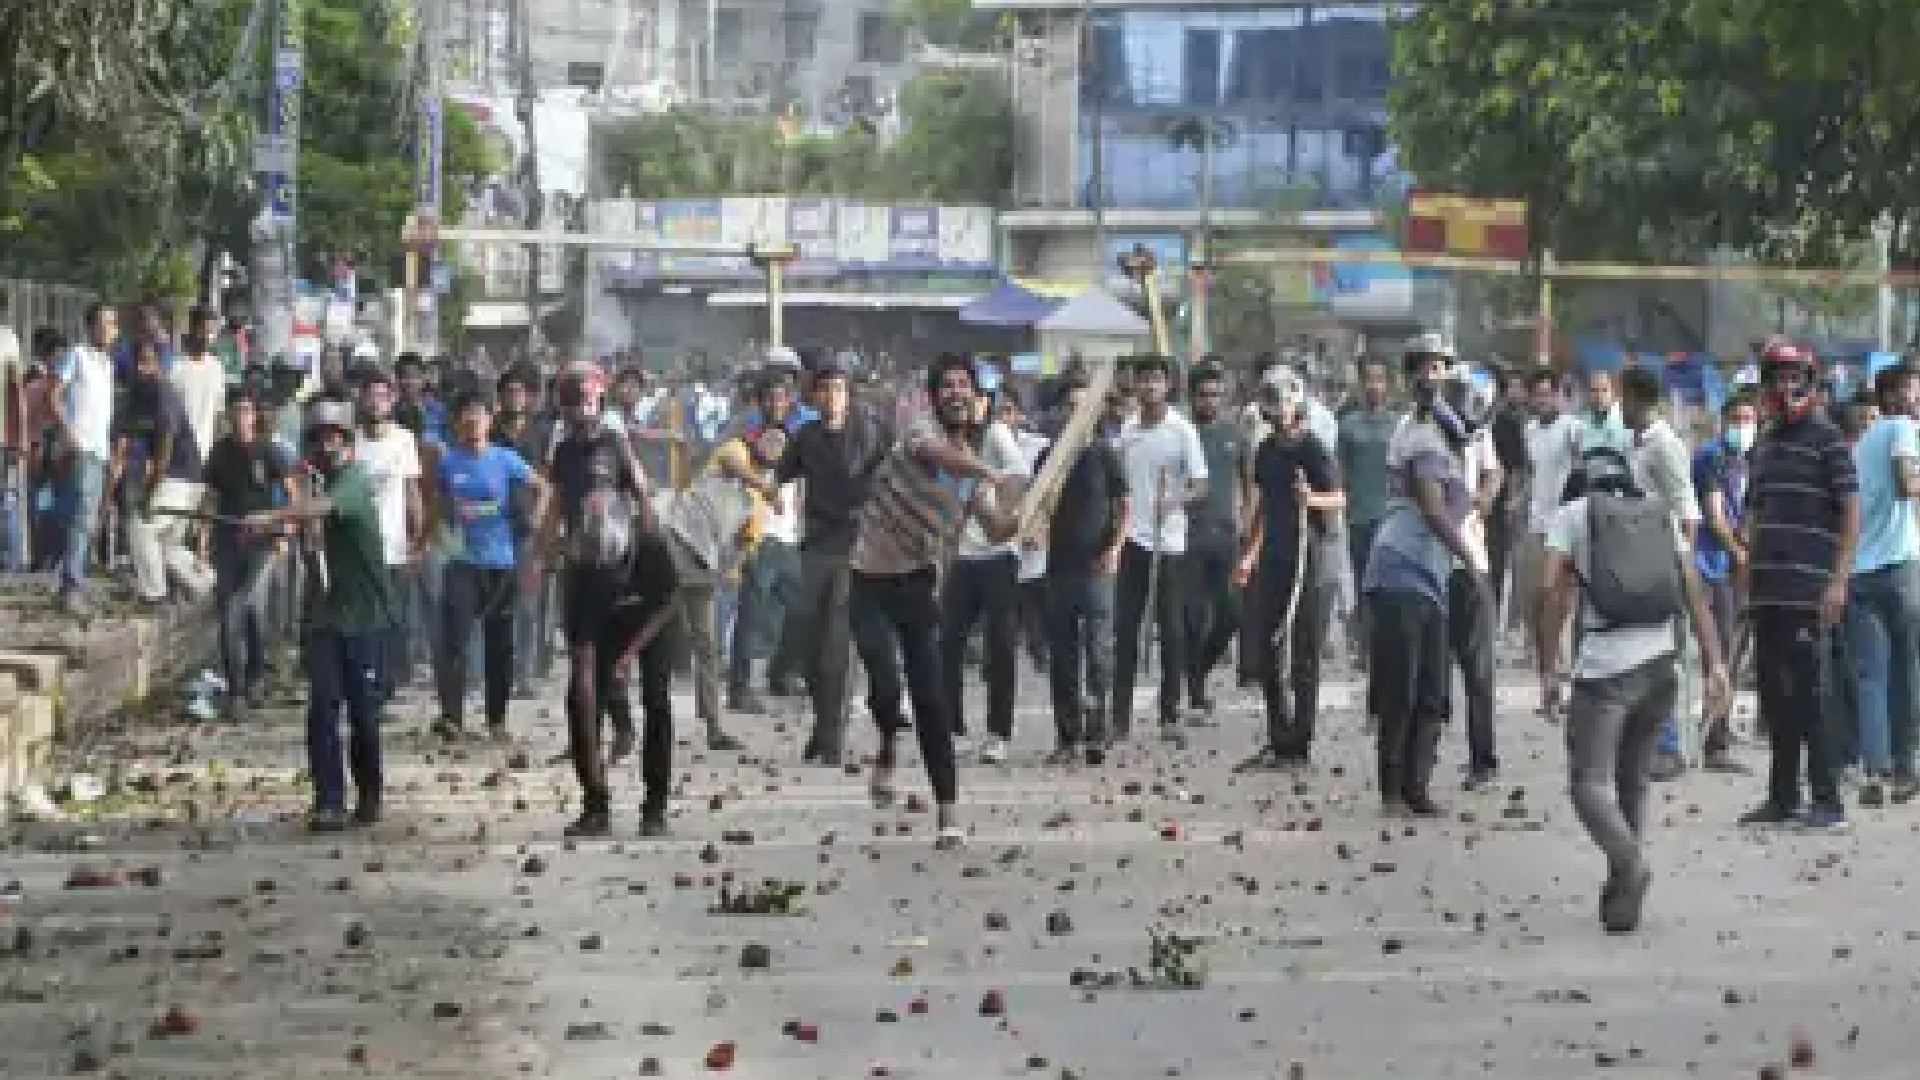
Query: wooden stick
(1037, 506)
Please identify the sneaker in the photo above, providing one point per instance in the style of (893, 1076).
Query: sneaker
(962, 745)
(720, 742)
(1667, 767)
(993, 750)
(1064, 754)
(746, 702)
(1768, 814)
(1419, 806)
(1096, 752)
(367, 811)
(1873, 794)
(621, 748)
(448, 729)
(1824, 819)
(951, 835)
(1622, 901)
(590, 825)
(497, 732)
(1265, 761)
(1480, 778)
(1903, 790)
(328, 819)
(653, 824)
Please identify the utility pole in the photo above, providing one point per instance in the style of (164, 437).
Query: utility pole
(277, 161)
(421, 324)
(530, 164)
(1089, 66)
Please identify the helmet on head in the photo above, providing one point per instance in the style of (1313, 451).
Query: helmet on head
(1282, 385)
(1790, 375)
(1428, 345)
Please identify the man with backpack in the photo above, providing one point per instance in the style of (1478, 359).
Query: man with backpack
(1618, 550)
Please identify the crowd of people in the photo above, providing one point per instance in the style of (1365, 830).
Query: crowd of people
(401, 514)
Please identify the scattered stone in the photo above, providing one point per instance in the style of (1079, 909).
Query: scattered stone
(755, 956)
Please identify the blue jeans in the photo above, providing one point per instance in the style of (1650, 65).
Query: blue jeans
(79, 494)
(243, 586)
(1883, 612)
(342, 670)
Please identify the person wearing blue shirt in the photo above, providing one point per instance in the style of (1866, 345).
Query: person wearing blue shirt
(1883, 603)
(1719, 545)
(474, 481)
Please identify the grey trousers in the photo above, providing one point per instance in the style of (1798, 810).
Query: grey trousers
(699, 617)
(1613, 724)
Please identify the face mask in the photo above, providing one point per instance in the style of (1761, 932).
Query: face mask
(1740, 438)
(328, 460)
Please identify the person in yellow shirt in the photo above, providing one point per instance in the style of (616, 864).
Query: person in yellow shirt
(769, 567)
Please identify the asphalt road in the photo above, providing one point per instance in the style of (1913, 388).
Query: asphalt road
(463, 939)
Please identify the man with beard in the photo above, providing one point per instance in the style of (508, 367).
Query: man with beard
(1213, 611)
(618, 598)
(925, 491)
(351, 610)
(390, 456)
(1295, 495)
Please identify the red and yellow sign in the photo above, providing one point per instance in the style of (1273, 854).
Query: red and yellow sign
(1463, 225)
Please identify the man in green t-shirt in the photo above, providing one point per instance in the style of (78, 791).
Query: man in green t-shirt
(354, 603)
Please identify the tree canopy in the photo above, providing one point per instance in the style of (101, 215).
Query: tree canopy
(126, 129)
(956, 145)
(1656, 130)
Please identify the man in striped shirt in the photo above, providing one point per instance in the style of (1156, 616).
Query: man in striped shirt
(919, 500)
(1803, 522)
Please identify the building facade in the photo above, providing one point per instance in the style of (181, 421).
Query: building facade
(830, 60)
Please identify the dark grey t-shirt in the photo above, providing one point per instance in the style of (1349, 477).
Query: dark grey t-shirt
(1227, 447)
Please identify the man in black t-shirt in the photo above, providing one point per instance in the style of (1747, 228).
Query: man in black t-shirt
(245, 474)
(1296, 494)
(617, 600)
(1083, 542)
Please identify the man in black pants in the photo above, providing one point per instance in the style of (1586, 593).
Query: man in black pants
(1213, 605)
(1803, 523)
(617, 594)
(834, 456)
(923, 493)
(1084, 535)
(1295, 494)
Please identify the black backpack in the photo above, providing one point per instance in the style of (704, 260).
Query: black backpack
(1633, 576)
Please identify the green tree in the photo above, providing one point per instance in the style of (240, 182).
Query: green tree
(956, 146)
(950, 23)
(1772, 126)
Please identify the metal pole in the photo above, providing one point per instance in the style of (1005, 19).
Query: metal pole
(420, 327)
(1090, 70)
(530, 165)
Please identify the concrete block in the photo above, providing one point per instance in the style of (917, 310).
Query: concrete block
(27, 732)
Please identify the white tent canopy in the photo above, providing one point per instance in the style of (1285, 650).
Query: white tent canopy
(1094, 312)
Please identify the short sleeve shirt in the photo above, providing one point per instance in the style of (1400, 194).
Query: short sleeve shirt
(359, 595)
(475, 486)
(1600, 653)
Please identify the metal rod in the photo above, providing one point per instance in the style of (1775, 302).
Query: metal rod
(562, 238)
(1794, 275)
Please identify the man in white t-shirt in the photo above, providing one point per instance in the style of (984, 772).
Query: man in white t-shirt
(1552, 442)
(1166, 469)
(201, 378)
(390, 456)
(82, 396)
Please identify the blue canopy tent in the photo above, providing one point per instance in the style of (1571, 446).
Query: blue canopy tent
(1009, 305)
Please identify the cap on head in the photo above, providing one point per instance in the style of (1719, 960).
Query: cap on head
(337, 415)
(1431, 343)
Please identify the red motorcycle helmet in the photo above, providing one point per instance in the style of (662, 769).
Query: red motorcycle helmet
(1789, 374)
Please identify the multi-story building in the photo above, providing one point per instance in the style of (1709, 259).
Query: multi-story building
(1143, 116)
(829, 59)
